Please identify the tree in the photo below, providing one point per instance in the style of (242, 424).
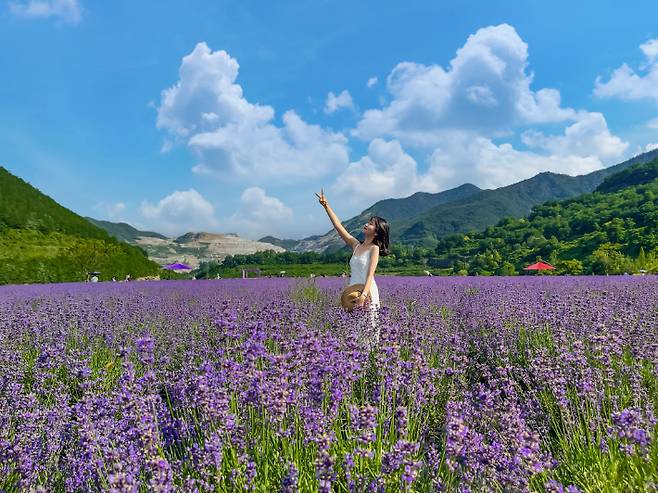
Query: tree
(229, 261)
(507, 269)
(420, 255)
(570, 266)
(607, 259)
(641, 260)
(87, 255)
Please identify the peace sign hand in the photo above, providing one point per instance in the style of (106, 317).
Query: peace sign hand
(321, 197)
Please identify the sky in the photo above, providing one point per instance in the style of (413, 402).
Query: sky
(227, 116)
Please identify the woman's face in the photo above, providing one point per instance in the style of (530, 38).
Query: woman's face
(369, 228)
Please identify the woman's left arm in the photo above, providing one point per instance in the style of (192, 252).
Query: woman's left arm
(374, 258)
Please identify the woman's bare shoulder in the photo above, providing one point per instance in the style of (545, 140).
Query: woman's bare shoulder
(374, 248)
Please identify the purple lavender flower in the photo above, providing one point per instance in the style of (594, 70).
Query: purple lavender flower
(145, 347)
(290, 483)
(479, 365)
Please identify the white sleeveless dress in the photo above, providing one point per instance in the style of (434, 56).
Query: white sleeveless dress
(358, 273)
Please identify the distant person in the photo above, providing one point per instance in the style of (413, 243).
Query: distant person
(365, 257)
(127, 278)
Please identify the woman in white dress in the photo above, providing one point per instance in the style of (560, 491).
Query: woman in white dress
(365, 256)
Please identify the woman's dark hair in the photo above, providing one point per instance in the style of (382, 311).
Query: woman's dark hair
(381, 235)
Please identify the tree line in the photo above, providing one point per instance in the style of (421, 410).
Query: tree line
(613, 230)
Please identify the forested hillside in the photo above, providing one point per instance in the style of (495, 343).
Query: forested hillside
(612, 230)
(422, 219)
(41, 241)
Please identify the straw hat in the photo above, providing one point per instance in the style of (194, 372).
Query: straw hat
(349, 295)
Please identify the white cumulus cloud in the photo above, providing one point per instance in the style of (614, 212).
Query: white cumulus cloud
(485, 89)
(180, 212)
(234, 138)
(66, 10)
(627, 84)
(464, 157)
(588, 136)
(259, 215)
(372, 81)
(387, 171)
(335, 103)
(459, 114)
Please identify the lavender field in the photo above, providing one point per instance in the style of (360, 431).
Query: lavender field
(476, 384)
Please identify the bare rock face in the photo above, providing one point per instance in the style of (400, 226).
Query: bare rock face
(194, 248)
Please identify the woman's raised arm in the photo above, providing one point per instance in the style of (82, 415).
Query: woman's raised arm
(342, 232)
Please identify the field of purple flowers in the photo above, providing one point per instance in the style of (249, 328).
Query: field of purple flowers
(476, 384)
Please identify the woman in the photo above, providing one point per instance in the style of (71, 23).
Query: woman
(365, 256)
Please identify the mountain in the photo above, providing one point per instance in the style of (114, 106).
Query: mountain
(24, 207)
(41, 241)
(419, 202)
(609, 231)
(636, 175)
(123, 231)
(424, 218)
(195, 248)
(488, 207)
(190, 248)
(285, 244)
(391, 209)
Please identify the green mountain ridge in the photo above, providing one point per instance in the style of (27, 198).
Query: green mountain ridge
(41, 241)
(612, 230)
(287, 244)
(388, 208)
(488, 207)
(423, 218)
(23, 207)
(123, 231)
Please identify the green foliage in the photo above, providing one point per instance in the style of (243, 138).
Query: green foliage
(24, 207)
(31, 256)
(484, 208)
(171, 275)
(637, 175)
(601, 233)
(211, 270)
(570, 266)
(507, 269)
(614, 232)
(424, 218)
(41, 241)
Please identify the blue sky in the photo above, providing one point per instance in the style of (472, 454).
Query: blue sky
(227, 116)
